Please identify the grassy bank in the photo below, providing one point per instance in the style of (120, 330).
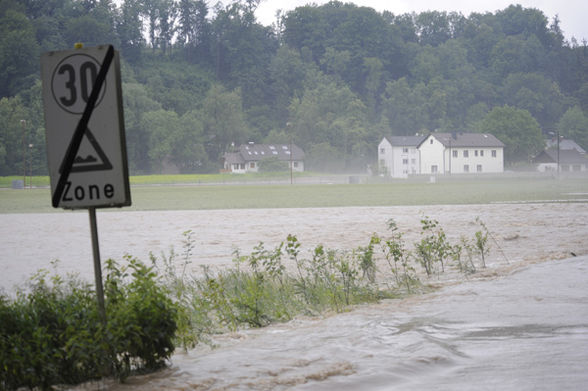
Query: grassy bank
(6, 182)
(181, 196)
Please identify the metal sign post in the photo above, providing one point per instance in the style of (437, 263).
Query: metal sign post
(84, 125)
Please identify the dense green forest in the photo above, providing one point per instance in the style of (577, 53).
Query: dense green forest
(333, 79)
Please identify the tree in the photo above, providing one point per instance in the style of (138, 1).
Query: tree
(328, 113)
(433, 27)
(14, 136)
(223, 121)
(287, 73)
(129, 28)
(323, 157)
(18, 52)
(193, 28)
(574, 125)
(89, 30)
(517, 54)
(404, 107)
(188, 152)
(517, 129)
(536, 94)
(137, 103)
(162, 126)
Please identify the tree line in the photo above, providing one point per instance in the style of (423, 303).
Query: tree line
(333, 78)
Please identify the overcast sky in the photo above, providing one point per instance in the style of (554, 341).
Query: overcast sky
(573, 14)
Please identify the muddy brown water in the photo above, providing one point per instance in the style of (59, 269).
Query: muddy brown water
(520, 324)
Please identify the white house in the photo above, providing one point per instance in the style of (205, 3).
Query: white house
(441, 153)
(398, 156)
(247, 157)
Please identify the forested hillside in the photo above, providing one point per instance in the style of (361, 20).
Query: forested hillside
(333, 79)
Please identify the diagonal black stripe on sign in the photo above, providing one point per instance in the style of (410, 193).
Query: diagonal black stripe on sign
(76, 139)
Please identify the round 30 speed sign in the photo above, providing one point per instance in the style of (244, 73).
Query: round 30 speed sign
(72, 82)
(86, 147)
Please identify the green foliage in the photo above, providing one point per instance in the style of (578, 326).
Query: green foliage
(517, 129)
(574, 125)
(141, 317)
(335, 75)
(399, 258)
(53, 334)
(433, 249)
(273, 164)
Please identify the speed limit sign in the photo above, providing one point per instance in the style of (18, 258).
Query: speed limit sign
(84, 125)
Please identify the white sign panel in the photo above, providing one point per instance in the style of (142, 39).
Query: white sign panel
(86, 148)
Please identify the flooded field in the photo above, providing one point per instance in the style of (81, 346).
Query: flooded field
(522, 324)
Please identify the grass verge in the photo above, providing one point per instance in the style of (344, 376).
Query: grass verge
(204, 197)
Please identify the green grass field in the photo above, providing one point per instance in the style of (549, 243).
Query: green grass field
(180, 196)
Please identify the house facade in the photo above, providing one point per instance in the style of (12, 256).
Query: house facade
(441, 153)
(568, 160)
(247, 157)
(398, 156)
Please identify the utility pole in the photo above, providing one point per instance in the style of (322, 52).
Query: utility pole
(23, 122)
(558, 153)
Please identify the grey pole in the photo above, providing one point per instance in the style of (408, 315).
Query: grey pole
(97, 266)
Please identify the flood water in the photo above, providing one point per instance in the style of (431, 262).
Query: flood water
(521, 324)
(524, 331)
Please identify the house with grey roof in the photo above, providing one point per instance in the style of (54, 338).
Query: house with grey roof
(441, 153)
(247, 157)
(398, 156)
(564, 144)
(568, 160)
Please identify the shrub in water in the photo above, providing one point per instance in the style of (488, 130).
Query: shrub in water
(53, 334)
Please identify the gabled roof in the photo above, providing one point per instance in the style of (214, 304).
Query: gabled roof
(566, 156)
(467, 140)
(405, 141)
(564, 145)
(255, 152)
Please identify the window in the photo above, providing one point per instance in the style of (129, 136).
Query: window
(252, 164)
(242, 166)
(430, 142)
(481, 152)
(412, 161)
(404, 161)
(493, 153)
(235, 166)
(404, 150)
(466, 153)
(382, 163)
(476, 152)
(466, 168)
(479, 168)
(382, 150)
(296, 163)
(454, 152)
(434, 168)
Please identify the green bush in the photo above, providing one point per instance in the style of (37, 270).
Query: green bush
(53, 333)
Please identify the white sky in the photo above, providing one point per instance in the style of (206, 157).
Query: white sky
(573, 14)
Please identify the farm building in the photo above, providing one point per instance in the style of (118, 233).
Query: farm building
(247, 157)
